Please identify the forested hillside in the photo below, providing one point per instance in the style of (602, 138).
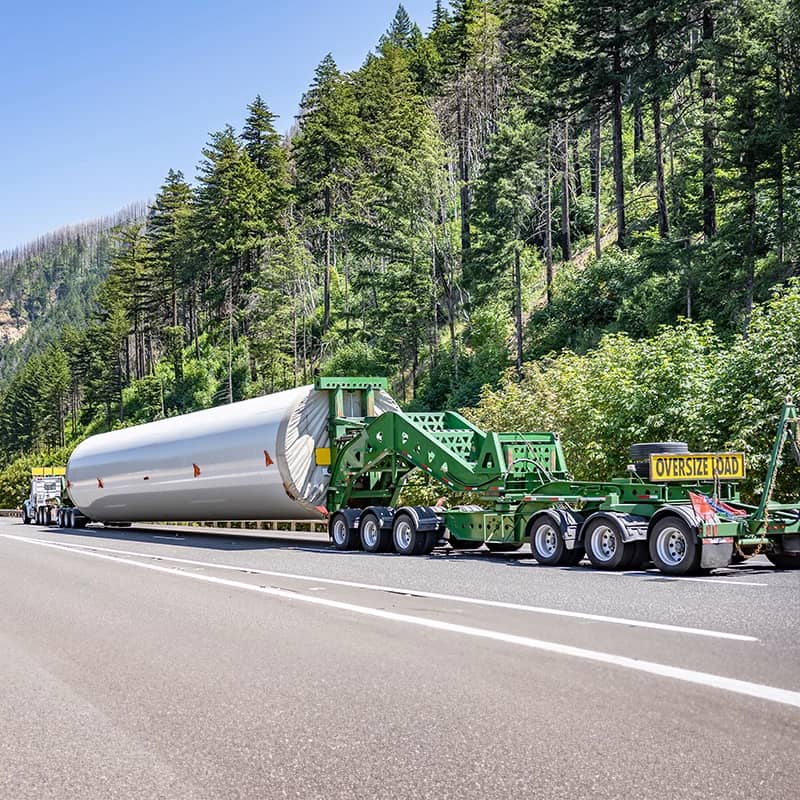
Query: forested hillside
(46, 285)
(490, 195)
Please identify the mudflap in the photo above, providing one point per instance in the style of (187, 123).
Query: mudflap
(716, 553)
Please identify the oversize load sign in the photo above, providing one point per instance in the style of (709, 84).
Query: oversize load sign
(697, 466)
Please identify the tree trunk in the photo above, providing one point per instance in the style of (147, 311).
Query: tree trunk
(779, 186)
(566, 243)
(326, 280)
(594, 172)
(616, 130)
(638, 138)
(708, 94)
(661, 189)
(576, 167)
(749, 158)
(548, 234)
(658, 143)
(463, 177)
(518, 307)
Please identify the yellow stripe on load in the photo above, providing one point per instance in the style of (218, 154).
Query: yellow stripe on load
(697, 466)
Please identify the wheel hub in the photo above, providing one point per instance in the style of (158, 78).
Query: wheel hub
(339, 531)
(604, 543)
(671, 546)
(403, 534)
(546, 540)
(370, 531)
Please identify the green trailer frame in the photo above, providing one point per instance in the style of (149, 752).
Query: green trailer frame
(525, 493)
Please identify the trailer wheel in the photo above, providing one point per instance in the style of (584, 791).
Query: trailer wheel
(408, 541)
(674, 547)
(547, 543)
(785, 560)
(374, 538)
(605, 548)
(344, 537)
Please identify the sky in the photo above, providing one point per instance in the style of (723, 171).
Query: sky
(99, 100)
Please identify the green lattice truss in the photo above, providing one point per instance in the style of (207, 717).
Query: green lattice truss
(370, 466)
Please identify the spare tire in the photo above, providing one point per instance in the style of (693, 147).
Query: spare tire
(641, 452)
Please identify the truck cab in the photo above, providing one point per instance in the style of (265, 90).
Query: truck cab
(46, 496)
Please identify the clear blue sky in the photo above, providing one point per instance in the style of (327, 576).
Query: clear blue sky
(98, 100)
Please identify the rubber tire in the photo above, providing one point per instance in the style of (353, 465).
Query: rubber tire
(503, 547)
(464, 544)
(691, 560)
(556, 558)
(417, 540)
(431, 540)
(643, 450)
(348, 538)
(573, 557)
(622, 554)
(638, 554)
(784, 560)
(383, 542)
(26, 520)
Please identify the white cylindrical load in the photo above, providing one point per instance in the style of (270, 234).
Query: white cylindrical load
(249, 460)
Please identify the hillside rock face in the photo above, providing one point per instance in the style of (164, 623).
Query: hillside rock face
(12, 328)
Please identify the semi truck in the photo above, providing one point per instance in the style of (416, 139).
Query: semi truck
(342, 450)
(45, 497)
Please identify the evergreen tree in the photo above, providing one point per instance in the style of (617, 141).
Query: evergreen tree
(325, 158)
(263, 144)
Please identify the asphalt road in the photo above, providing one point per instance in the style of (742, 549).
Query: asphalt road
(144, 664)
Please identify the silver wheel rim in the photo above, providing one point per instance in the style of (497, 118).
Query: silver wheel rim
(402, 535)
(339, 531)
(369, 532)
(671, 546)
(546, 540)
(604, 543)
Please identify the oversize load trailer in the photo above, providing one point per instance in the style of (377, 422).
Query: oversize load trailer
(343, 449)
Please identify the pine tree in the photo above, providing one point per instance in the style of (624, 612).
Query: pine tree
(263, 144)
(325, 158)
(231, 205)
(399, 32)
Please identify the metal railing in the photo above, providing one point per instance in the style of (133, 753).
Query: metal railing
(266, 525)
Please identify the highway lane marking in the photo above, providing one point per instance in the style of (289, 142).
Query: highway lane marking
(772, 694)
(412, 592)
(654, 577)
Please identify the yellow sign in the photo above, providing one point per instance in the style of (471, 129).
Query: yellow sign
(697, 466)
(323, 456)
(47, 472)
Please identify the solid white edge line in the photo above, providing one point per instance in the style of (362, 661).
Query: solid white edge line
(770, 693)
(557, 612)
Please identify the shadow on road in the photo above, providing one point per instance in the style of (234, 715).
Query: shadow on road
(252, 541)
